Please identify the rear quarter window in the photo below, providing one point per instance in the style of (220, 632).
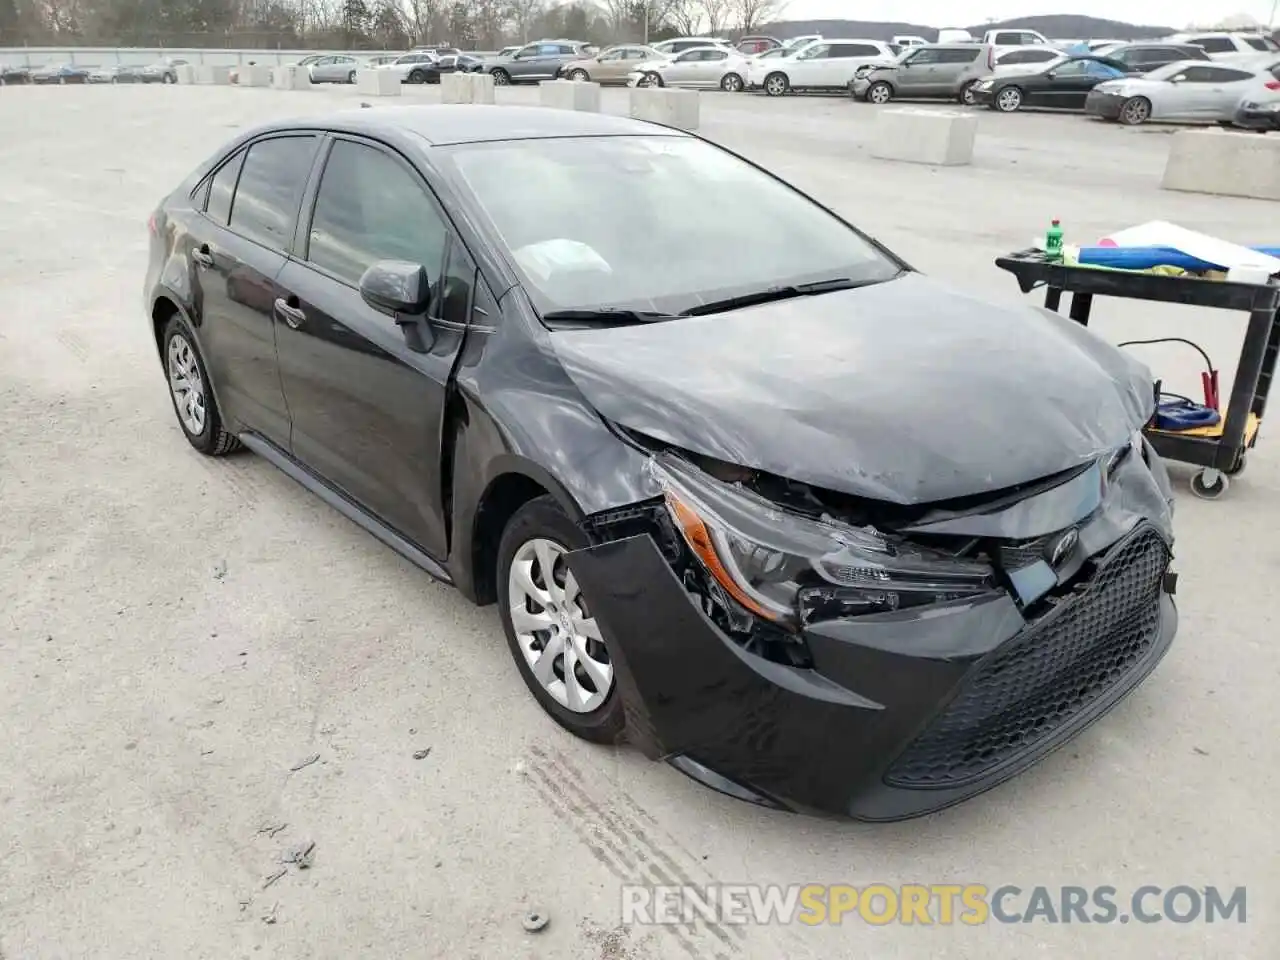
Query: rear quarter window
(222, 188)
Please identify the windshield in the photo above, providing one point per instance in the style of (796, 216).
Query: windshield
(659, 223)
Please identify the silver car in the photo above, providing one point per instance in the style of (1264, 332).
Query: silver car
(335, 69)
(1187, 90)
(696, 68)
(931, 71)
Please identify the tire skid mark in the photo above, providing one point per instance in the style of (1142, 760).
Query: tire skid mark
(74, 344)
(631, 842)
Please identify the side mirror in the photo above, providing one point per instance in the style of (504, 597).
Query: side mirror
(396, 287)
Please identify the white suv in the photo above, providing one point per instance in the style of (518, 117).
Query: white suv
(1229, 46)
(823, 65)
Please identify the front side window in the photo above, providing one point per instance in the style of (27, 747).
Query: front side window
(371, 207)
(270, 188)
(922, 57)
(630, 221)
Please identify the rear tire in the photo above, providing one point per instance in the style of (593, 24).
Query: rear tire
(201, 421)
(1135, 111)
(540, 529)
(966, 93)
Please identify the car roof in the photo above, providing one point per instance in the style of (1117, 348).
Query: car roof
(444, 125)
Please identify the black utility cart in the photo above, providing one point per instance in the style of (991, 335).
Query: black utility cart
(1219, 450)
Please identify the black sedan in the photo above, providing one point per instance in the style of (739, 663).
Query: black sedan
(823, 533)
(452, 63)
(1063, 84)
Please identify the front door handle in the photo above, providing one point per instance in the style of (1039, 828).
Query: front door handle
(293, 316)
(202, 256)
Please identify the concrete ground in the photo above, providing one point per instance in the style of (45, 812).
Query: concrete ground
(177, 634)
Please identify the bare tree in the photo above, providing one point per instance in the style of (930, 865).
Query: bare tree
(717, 14)
(524, 14)
(752, 14)
(685, 16)
(424, 18)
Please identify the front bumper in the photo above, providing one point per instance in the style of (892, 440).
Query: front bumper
(859, 86)
(983, 97)
(900, 714)
(1105, 105)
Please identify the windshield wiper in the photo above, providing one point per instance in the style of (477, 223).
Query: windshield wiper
(773, 294)
(607, 315)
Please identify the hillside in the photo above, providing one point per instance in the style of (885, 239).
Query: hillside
(1056, 26)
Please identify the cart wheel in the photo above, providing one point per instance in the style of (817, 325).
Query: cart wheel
(1209, 484)
(1238, 468)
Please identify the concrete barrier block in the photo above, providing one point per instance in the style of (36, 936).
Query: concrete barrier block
(255, 75)
(378, 83)
(571, 95)
(672, 108)
(1225, 162)
(481, 87)
(290, 78)
(213, 73)
(185, 73)
(455, 88)
(941, 137)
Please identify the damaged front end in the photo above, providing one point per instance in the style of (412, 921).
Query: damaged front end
(818, 652)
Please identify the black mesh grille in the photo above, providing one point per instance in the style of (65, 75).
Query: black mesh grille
(1035, 683)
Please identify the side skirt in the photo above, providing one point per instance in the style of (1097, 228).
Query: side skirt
(343, 504)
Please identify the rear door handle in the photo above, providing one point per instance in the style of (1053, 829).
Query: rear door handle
(202, 257)
(293, 316)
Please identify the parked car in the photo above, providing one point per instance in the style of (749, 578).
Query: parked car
(1063, 84)
(612, 65)
(1262, 117)
(1143, 57)
(908, 40)
(1014, 38)
(454, 63)
(412, 67)
(60, 73)
(642, 453)
(940, 70)
(824, 66)
(1019, 59)
(112, 74)
(750, 45)
(1228, 46)
(162, 71)
(1188, 90)
(696, 68)
(333, 69)
(11, 73)
(536, 61)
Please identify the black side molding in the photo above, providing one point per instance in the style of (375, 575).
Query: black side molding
(352, 511)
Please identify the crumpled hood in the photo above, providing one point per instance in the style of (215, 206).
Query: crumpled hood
(909, 392)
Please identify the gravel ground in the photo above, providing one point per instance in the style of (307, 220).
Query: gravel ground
(177, 635)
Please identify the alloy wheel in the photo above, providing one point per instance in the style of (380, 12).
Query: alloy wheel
(554, 629)
(501, 78)
(186, 385)
(732, 83)
(966, 95)
(776, 85)
(879, 93)
(1135, 111)
(579, 75)
(1009, 100)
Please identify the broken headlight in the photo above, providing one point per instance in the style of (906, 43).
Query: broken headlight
(791, 569)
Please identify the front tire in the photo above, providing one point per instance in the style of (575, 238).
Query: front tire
(553, 636)
(1007, 100)
(1135, 111)
(579, 76)
(879, 93)
(501, 78)
(777, 85)
(351, 77)
(417, 76)
(191, 393)
(651, 80)
(732, 83)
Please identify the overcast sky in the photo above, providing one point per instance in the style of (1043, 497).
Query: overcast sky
(946, 13)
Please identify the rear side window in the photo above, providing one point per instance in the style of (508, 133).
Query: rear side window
(1215, 44)
(371, 207)
(222, 188)
(958, 56)
(1227, 75)
(854, 50)
(1257, 43)
(270, 188)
